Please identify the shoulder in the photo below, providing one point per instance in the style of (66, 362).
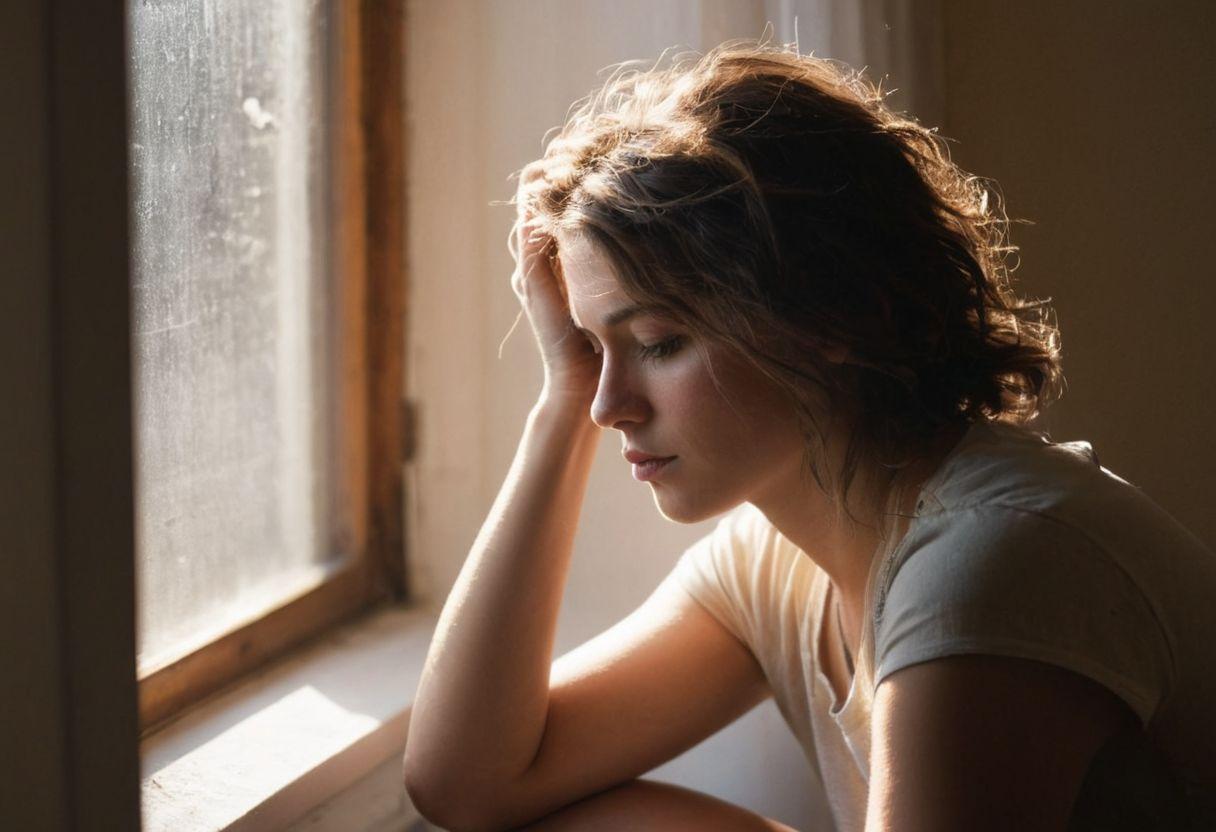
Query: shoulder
(1007, 559)
(1010, 465)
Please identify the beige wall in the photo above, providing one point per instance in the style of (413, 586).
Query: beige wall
(1097, 120)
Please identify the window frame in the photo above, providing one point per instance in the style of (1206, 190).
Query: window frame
(367, 209)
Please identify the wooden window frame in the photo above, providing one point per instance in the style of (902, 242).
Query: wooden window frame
(368, 212)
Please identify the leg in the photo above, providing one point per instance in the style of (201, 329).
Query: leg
(644, 805)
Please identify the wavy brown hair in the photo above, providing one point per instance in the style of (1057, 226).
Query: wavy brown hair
(770, 201)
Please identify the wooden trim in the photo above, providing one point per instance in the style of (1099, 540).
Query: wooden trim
(367, 218)
(165, 693)
(350, 299)
(384, 125)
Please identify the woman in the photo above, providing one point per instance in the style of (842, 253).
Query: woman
(795, 310)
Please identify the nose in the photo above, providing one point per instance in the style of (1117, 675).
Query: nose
(618, 400)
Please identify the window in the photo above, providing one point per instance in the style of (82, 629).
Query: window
(266, 330)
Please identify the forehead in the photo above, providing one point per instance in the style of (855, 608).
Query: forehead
(592, 287)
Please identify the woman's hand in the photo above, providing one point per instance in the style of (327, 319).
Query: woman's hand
(571, 365)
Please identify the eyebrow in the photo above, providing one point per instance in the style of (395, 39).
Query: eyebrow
(623, 314)
(619, 316)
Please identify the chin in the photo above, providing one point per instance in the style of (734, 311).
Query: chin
(687, 512)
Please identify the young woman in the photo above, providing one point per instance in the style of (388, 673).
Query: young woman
(795, 310)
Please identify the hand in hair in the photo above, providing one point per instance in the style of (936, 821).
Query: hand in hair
(571, 365)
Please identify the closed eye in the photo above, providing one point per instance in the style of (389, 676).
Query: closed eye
(664, 348)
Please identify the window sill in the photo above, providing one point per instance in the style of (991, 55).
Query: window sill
(267, 753)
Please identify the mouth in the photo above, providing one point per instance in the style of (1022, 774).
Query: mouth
(651, 468)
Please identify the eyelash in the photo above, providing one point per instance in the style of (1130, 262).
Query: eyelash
(659, 351)
(655, 352)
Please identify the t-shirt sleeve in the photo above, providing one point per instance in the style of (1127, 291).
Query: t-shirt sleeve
(1009, 582)
(717, 572)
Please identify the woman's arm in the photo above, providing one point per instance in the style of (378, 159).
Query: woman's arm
(499, 736)
(479, 713)
(984, 742)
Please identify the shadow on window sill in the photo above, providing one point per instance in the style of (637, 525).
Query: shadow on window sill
(285, 746)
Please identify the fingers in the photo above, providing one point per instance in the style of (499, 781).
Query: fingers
(531, 235)
(532, 180)
(532, 171)
(535, 237)
(533, 248)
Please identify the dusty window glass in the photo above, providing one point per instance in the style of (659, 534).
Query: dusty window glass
(233, 379)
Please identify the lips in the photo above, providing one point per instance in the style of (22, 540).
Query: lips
(646, 466)
(651, 469)
(638, 457)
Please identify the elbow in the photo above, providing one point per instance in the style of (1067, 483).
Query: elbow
(453, 807)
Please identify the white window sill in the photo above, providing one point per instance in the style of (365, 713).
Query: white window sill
(280, 749)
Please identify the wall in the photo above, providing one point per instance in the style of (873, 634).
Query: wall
(1097, 121)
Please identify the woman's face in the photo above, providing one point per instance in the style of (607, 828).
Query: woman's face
(731, 442)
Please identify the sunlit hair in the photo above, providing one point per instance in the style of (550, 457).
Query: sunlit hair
(771, 202)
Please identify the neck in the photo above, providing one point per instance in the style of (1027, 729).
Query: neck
(845, 550)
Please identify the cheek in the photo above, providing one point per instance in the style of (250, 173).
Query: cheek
(761, 417)
(731, 420)
(688, 412)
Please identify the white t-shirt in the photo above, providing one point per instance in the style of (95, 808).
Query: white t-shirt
(1018, 547)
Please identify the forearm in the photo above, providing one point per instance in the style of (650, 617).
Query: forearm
(482, 701)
